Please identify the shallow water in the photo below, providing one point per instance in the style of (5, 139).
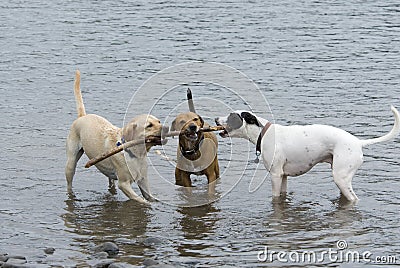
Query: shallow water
(326, 62)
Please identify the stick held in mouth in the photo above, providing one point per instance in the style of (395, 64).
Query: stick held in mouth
(128, 144)
(118, 149)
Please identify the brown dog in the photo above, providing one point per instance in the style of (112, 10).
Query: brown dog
(197, 151)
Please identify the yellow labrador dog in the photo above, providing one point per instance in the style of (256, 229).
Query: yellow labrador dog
(92, 134)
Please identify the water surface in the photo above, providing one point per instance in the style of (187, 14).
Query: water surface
(329, 62)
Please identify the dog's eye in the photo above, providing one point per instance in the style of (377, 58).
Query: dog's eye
(182, 122)
(196, 119)
(149, 125)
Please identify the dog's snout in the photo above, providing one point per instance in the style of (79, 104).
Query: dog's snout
(192, 127)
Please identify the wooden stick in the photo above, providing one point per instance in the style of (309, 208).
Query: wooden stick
(209, 129)
(116, 150)
(204, 129)
(128, 144)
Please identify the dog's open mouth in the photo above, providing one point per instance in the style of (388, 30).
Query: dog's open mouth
(191, 135)
(156, 140)
(224, 133)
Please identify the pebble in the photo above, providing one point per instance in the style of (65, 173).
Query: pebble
(109, 247)
(12, 261)
(103, 263)
(151, 241)
(3, 257)
(101, 254)
(117, 265)
(125, 241)
(17, 257)
(149, 262)
(49, 250)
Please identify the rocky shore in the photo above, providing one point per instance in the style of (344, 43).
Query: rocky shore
(103, 257)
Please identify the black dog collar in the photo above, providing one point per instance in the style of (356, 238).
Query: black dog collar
(194, 150)
(258, 144)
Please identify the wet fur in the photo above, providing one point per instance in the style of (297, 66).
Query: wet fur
(182, 176)
(294, 150)
(182, 122)
(93, 135)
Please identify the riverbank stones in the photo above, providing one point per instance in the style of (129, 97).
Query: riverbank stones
(109, 247)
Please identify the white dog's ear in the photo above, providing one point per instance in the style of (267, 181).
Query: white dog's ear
(250, 119)
(235, 121)
(129, 131)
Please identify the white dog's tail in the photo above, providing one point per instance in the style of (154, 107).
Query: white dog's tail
(392, 134)
(78, 95)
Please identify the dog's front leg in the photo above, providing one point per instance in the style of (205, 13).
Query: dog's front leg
(124, 184)
(182, 178)
(276, 180)
(126, 188)
(143, 184)
(212, 180)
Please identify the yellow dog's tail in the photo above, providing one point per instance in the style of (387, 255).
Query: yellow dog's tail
(80, 108)
(392, 133)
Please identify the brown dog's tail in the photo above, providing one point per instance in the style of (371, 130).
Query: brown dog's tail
(78, 95)
(190, 101)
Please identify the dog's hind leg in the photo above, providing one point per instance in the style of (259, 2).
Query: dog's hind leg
(343, 170)
(111, 184)
(74, 153)
(284, 185)
(345, 187)
(217, 170)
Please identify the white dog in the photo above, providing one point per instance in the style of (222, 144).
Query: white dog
(294, 150)
(94, 135)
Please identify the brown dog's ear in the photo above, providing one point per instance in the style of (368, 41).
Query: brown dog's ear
(201, 120)
(173, 126)
(128, 133)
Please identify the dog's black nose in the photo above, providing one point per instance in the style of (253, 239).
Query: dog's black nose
(193, 127)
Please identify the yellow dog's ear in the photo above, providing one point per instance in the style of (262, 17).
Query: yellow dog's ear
(129, 131)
